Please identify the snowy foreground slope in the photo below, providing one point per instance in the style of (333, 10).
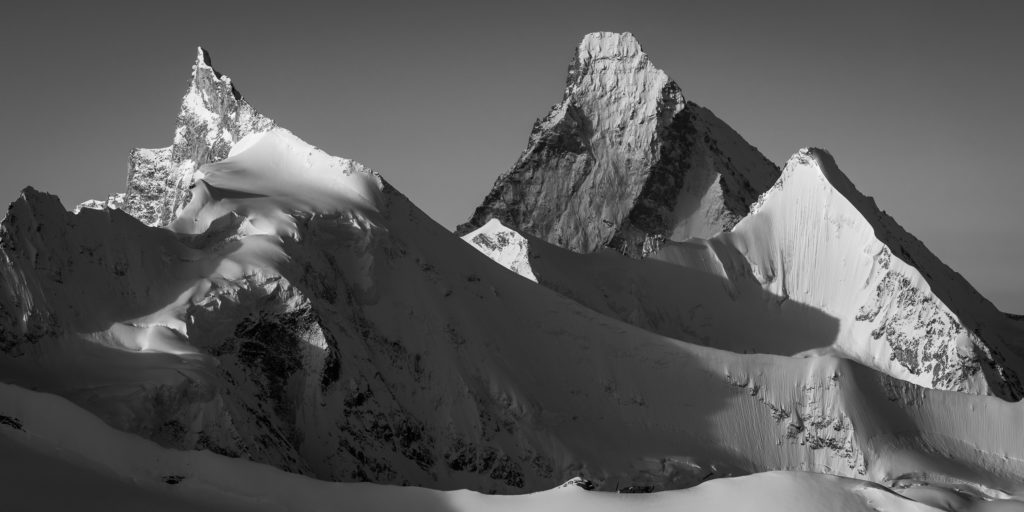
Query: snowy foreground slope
(94, 467)
(302, 313)
(813, 265)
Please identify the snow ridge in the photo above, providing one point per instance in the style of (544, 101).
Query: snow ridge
(814, 239)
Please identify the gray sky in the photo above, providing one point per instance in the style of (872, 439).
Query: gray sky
(920, 102)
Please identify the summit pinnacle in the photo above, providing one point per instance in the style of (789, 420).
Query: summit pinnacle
(212, 118)
(625, 161)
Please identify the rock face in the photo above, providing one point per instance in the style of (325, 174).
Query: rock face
(625, 161)
(213, 117)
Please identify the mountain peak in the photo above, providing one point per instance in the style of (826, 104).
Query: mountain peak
(818, 163)
(213, 85)
(624, 161)
(616, 69)
(203, 57)
(922, 321)
(597, 45)
(29, 191)
(31, 204)
(212, 118)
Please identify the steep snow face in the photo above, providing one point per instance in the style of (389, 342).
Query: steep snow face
(273, 174)
(503, 245)
(815, 240)
(213, 117)
(625, 161)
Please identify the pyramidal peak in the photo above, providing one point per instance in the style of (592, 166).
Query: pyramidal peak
(614, 82)
(203, 57)
(625, 161)
(610, 53)
(207, 80)
(212, 118)
(814, 239)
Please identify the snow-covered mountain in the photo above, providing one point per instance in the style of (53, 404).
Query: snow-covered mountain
(814, 264)
(816, 267)
(300, 312)
(273, 336)
(814, 239)
(625, 161)
(98, 468)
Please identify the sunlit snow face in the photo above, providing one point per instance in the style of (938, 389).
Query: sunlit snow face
(270, 176)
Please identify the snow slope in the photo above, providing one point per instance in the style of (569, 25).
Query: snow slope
(814, 239)
(625, 161)
(93, 467)
(697, 296)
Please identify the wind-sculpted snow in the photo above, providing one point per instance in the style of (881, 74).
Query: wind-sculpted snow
(213, 117)
(625, 161)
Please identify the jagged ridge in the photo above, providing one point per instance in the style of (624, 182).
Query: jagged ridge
(213, 116)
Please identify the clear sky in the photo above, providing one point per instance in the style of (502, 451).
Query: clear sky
(920, 102)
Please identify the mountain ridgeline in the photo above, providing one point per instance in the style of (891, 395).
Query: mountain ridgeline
(678, 309)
